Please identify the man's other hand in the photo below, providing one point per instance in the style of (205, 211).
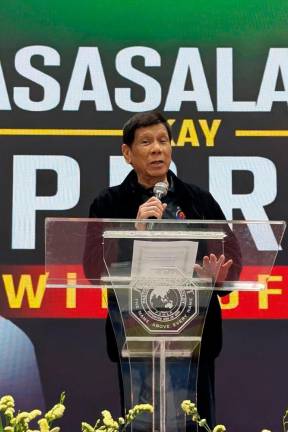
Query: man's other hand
(213, 267)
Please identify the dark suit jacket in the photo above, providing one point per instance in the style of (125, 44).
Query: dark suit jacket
(123, 201)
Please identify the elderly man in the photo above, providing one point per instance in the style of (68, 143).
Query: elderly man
(147, 147)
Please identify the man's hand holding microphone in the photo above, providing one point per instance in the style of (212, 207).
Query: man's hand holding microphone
(153, 208)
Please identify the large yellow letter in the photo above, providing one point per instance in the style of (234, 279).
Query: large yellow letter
(210, 133)
(15, 296)
(264, 294)
(233, 302)
(188, 134)
(71, 290)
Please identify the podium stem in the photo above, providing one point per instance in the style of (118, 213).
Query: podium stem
(162, 386)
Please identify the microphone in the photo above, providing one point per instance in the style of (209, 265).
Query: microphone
(160, 191)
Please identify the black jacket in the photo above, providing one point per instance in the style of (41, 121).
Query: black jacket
(123, 201)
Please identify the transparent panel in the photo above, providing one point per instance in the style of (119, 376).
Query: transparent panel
(161, 278)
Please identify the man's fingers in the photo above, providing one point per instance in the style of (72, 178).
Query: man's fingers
(152, 202)
(221, 259)
(213, 259)
(228, 264)
(151, 199)
(148, 213)
(205, 260)
(201, 271)
(213, 267)
(152, 208)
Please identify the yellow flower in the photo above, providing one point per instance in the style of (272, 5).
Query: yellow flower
(86, 427)
(108, 420)
(22, 417)
(43, 424)
(6, 402)
(7, 399)
(55, 413)
(33, 414)
(138, 409)
(121, 421)
(106, 413)
(145, 408)
(219, 428)
(9, 413)
(202, 422)
(188, 407)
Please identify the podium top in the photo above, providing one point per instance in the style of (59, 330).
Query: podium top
(156, 234)
(83, 252)
(127, 222)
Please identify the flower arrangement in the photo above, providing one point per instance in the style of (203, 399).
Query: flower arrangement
(108, 424)
(9, 422)
(190, 409)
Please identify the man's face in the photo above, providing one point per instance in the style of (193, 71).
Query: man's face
(149, 154)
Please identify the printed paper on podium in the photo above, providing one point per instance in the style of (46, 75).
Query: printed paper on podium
(159, 259)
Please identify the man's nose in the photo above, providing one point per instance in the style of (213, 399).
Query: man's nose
(156, 147)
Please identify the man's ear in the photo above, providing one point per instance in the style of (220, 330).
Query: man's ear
(126, 151)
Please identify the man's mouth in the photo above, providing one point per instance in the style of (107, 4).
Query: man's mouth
(157, 163)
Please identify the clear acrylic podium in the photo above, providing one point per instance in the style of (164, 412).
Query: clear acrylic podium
(159, 293)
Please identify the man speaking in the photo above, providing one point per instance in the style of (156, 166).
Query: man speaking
(147, 147)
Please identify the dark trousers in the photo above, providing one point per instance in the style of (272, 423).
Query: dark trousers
(206, 391)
